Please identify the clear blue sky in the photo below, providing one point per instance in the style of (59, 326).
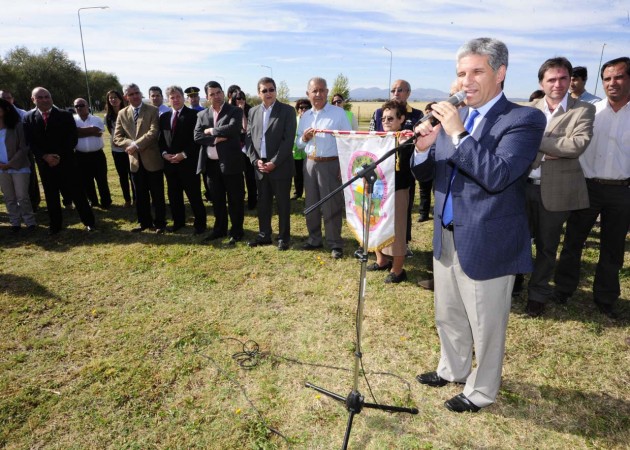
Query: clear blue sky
(188, 42)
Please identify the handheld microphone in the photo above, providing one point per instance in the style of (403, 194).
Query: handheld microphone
(454, 100)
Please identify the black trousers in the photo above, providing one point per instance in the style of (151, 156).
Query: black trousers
(250, 182)
(150, 191)
(182, 178)
(33, 184)
(228, 186)
(121, 161)
(425, 197)
(268, 188)
(93, 167)
(64, 178)
(298, 179)
(613, 204)
(412, 196)
(546, 229)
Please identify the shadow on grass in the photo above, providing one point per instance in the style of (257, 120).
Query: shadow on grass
(20, 286)
(580, 307)
(592, 415)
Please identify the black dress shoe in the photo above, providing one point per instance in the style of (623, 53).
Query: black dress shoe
(174, 228)
(160, 230)
(53, 231)
(432, 379)
(336, 253)
(199, 231)
(214, 236)
(460, 403)
(308, 246)
(427, 284)
(534, 309)
(393, 278)
(607, 309)
(233, 240)
(374, 267)
(90, 229)
(283, 245)
(259, 242)
(560, 298)
(423, 218)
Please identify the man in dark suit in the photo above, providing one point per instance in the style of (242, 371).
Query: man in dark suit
(52, 135)
(556, 183)
(218, 131)
(137, 132)
(481, 238)
(270, 136)
(180, 154)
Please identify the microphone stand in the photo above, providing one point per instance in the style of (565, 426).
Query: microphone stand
(354, 402)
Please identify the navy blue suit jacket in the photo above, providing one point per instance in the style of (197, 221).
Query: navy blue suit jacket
(491, 234)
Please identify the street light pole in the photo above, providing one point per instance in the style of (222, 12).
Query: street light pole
(87, 83)
(268, 67)
(599, 68)
(391, 57)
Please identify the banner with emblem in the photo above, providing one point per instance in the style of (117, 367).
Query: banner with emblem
(355, 151)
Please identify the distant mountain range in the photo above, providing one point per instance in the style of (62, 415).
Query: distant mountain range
(420, 95)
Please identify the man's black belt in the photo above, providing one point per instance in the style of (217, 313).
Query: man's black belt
(448, 227)
(610, 182)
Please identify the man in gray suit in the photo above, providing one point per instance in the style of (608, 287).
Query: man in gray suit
(270, 136)
(556, 183)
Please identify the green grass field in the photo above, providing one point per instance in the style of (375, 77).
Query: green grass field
(126, 341)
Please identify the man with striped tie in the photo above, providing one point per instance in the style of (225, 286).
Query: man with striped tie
(137, 131)
(479, 156)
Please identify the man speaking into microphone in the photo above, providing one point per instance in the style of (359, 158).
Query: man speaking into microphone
(479, 156)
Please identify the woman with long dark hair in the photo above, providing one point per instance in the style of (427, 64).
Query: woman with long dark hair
(114, 103)
(15, 168)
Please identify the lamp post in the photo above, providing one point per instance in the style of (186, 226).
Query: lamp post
(268, 67)
(599, 68)
(87, 83)
(391, 57)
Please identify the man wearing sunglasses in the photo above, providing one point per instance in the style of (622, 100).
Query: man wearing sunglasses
(90, 155)
(400, 91)
(269, 143)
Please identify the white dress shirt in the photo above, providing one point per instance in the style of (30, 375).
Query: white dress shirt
(608, 154)
(89, 143)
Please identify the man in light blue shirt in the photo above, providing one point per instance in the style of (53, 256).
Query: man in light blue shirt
(322, 174)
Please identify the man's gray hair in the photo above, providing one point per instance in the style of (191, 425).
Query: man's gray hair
(496, 51)
(170, 89)
(318, 80)
(126, 87)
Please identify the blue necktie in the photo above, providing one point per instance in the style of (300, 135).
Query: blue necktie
(447, 213)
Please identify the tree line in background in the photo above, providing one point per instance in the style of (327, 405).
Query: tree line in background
(21, 71)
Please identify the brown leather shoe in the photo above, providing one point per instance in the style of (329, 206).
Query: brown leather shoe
(427, 284)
